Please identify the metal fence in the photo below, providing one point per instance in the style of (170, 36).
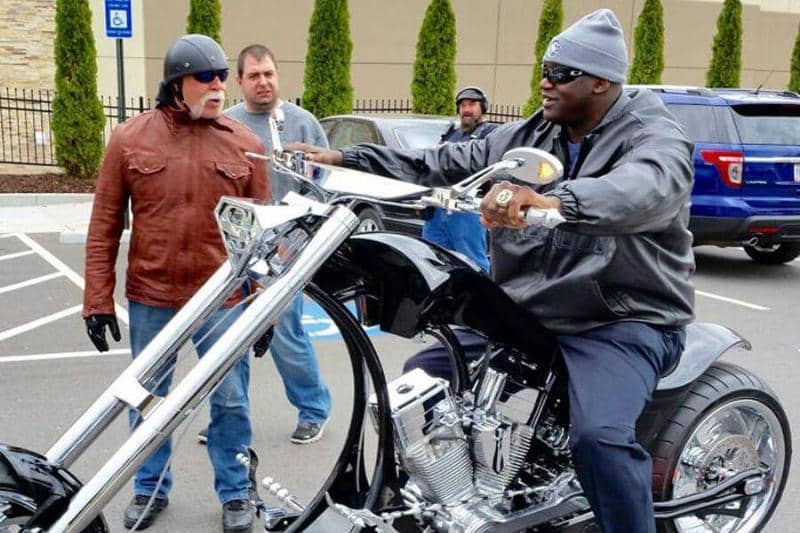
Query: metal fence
(497, 113)
(26, 135)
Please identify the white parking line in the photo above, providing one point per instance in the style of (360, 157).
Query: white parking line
(7, 235)
(15, 255)
(59, 265)
(65, 355)
(7, 334)
(731, 301)
(29, 282)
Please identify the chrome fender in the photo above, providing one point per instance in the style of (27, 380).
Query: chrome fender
(705, 343)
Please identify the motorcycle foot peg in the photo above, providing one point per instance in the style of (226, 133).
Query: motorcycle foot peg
(278, 519)
(283, 495)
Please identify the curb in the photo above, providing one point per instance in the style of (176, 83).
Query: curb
(37, 199)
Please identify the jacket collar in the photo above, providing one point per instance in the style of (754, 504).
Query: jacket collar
(178, 118)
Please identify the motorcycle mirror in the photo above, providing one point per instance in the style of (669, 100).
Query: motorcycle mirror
(537, 167)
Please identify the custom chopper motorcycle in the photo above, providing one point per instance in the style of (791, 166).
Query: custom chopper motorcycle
(485, 451)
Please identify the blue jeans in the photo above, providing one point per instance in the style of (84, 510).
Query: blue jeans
(229, 432)
(461, 232)
(613, 371)
(296, 362)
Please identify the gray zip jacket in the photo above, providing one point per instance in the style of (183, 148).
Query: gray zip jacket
(624, 253)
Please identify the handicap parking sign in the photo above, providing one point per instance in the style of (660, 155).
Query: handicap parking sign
(118, 19)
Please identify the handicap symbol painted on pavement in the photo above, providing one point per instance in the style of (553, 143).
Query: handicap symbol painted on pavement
(320, 326)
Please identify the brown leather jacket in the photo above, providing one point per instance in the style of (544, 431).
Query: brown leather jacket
(174, 170)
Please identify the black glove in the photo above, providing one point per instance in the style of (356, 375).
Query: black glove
(261, 345)
(96, 329)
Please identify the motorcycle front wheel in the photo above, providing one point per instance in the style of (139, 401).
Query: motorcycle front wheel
(729, 422)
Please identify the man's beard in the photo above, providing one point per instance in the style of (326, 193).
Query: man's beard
(468, 123)
(196, 110)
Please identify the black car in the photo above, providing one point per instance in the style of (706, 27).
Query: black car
(401, 132)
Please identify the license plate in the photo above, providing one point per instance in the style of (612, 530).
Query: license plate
(797, 172)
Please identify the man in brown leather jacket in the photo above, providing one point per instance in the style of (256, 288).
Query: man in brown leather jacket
(174, 163)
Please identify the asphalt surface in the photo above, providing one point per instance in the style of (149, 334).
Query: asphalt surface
(49, 372)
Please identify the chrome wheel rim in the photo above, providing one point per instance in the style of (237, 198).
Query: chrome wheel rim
(736, 436)
(367, 225)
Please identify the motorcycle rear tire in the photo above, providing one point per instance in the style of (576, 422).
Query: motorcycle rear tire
(722, 385)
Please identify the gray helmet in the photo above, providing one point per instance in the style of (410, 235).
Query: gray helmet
(189, 54)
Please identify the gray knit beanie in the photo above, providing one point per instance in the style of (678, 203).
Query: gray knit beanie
(594, 44)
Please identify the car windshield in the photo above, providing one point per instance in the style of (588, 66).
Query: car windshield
(768, 124)
(420, 134)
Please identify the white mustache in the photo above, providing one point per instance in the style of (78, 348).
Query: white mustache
(196, 110)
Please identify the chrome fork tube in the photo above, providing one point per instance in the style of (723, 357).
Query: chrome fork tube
(209, 371)
(105, 409)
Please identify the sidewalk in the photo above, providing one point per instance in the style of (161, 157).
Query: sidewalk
(67, 214)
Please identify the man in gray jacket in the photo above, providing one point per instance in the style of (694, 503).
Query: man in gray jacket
(613, 281)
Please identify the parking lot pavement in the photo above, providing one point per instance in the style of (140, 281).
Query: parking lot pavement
(42, 394)
(40, 292)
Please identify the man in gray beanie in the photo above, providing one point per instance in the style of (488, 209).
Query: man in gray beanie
(594, 45)
(612, 284)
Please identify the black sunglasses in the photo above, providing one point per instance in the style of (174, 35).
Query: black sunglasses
(559, 74)
(207, 76)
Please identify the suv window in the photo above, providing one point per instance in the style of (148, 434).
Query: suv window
(768, 123)
(705, 123)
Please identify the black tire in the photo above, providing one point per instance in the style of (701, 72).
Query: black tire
(369, 220)
(42, 493)
(723, 384)
(776, 255)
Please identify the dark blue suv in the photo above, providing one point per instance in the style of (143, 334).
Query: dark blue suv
(747, 168)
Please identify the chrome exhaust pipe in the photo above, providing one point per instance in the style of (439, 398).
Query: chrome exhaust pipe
(752, 241)
(209, 371)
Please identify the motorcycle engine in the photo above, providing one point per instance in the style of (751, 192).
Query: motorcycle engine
(429, 437)
(469, 459)
(433, 446)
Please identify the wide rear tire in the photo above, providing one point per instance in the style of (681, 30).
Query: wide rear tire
(730, 421)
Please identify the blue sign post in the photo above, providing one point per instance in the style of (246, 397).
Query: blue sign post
(119, 26)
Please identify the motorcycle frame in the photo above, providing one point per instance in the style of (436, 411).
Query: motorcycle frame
(161, 417)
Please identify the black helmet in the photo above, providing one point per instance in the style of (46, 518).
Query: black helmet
(472, 92)
(189, 54)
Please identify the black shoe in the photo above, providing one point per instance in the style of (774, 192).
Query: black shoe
(307, 432)
(237, 516)
(202, 437)
(138, 507)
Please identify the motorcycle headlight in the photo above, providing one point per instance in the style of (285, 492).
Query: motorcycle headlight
(238, 223)
(253, 231)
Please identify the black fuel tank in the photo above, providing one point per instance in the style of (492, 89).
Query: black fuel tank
(413, 283)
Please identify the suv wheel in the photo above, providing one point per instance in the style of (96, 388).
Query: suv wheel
(369, 220)
(776, 254)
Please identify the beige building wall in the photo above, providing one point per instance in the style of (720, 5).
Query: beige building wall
(495, 41)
